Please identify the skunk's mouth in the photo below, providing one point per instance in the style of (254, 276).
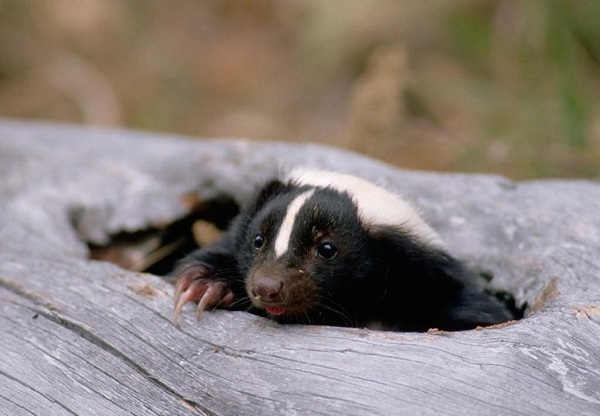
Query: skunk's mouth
(275, 310)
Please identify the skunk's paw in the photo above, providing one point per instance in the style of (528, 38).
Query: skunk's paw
(196, 283)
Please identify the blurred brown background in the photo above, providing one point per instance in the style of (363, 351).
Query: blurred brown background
(511, 87)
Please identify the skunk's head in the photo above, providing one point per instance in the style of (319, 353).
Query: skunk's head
(308, 245)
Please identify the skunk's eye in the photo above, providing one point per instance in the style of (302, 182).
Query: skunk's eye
(259, 241)
(327, 251)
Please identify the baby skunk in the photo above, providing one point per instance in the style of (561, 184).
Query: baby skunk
(329, 248)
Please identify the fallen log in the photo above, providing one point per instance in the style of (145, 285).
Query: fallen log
(87, 337)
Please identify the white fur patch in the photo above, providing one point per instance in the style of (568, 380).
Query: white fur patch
(282, 241)
(376, 205)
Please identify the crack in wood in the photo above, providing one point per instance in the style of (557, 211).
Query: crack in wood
(86, 334)
(20, 382)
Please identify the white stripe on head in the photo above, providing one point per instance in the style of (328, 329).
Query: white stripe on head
(282, 241)
(376, 205)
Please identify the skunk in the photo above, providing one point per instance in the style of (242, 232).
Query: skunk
(328, 248)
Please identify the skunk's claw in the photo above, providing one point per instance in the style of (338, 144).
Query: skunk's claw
(195, 284)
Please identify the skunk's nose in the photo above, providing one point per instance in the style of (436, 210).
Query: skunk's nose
(267, 289)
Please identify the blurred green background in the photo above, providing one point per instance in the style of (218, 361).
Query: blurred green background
(510, 87)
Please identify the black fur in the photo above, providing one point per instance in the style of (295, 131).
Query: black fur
(378, 276)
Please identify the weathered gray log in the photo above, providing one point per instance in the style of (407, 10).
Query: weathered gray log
(86, 337)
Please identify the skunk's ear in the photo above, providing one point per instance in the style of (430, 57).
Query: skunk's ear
(264, 194)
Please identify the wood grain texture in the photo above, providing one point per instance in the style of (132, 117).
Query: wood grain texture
(83, 337)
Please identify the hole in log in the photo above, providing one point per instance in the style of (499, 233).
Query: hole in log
(157, 250)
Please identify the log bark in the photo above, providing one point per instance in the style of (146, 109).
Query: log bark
(86, 337)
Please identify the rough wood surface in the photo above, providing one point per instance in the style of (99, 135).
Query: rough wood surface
(84, 337)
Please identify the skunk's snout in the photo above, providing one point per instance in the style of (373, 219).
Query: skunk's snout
(281, 290)
(267, 289)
